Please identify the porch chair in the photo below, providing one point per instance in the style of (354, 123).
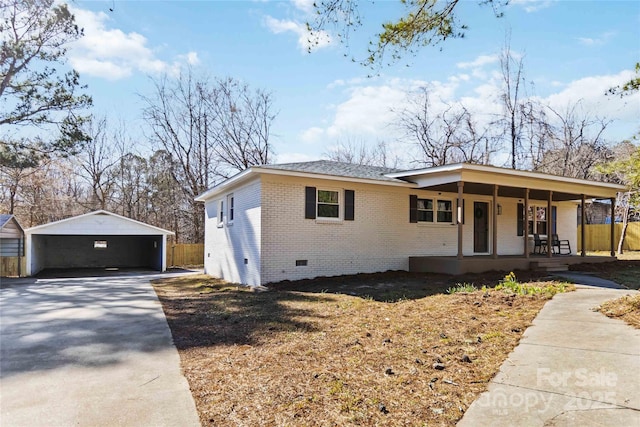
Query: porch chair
(560, 245)
(539, 245)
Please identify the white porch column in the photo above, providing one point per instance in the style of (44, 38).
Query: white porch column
(164, 253)
(27, 254)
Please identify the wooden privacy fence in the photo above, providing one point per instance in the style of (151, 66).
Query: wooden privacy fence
(185, 254)
(598, 237)
(9, 266)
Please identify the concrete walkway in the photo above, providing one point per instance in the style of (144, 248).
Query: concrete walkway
(89, 352)
(573, 367)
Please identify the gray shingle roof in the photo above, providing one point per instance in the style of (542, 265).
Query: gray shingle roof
(329, 167)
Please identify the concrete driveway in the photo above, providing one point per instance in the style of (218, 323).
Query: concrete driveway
(89, 352)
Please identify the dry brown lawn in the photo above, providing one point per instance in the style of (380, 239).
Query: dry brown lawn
(343, 351)
(626, 308)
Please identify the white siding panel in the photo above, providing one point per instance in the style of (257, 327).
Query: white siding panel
(228, 246)
(97, 225)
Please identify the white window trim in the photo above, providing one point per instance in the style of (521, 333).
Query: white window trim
(220, 218)
(534, 207)
(231, 209)
(326, 219)
(434, 202)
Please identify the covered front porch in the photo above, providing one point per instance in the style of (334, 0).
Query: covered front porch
(529, 194)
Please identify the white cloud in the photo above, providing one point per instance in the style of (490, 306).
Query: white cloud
(306, 40)
(480, 61)
(592, 94)
(598, 41)
(367, 110)
(532, 5)
(311, 135)
(293, 158)
(113, 54)
(305, 6)
(191, 58)
(104, 69)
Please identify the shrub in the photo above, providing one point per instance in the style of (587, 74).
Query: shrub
(462, 287)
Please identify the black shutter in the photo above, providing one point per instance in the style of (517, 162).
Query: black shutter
(310, 202)
(520, 219)
(349, 205)
(413, 208)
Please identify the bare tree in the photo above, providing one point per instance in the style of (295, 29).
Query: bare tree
(576, 143)
(46, 192)
(358, 152)
(536, 134)
(180, 118)
(443, 137)
(513, 84)
(17, 163)
(242, 125)
(210, 129)
(96, 163)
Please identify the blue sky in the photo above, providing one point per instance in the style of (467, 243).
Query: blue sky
(573, 50)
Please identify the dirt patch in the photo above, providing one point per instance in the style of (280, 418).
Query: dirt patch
(626, 273)
(384, 349)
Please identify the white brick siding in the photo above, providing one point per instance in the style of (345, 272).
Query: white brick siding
(271, 232)
(229, 245)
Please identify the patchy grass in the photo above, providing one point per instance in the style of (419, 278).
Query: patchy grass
(625, 271)
(309, 353)
(626, 308)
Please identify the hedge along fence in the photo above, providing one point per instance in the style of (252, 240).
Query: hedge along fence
(185, 254)
(598, 237)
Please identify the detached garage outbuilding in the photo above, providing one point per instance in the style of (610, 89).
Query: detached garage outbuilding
(97, 239)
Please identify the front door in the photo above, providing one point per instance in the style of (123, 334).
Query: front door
(480, 227)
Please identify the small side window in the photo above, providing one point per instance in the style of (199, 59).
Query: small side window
(231, 208)
(100, 244)
(220, 213)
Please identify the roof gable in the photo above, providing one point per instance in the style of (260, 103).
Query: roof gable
(10, 227)
(98, 223)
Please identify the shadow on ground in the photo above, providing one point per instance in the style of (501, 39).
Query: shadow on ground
(47, 324)
(205, 314)
(204, 311)
(393, 286)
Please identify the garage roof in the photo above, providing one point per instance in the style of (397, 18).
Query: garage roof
(99, 222)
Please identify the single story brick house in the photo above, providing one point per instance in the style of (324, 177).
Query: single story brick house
(302, 220)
